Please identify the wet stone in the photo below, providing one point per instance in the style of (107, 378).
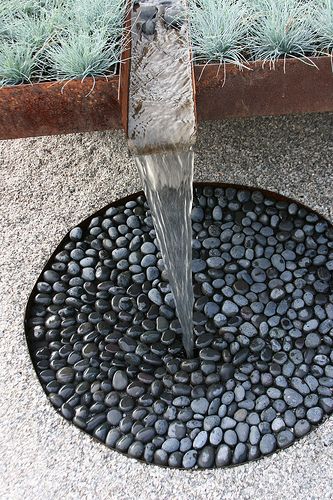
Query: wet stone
(200, 440)
(206, 457)
(114, 417)
(65, 375)
(278, 262)
(198, 265)
(223, 456)
(300, 386)
(215, 437)
(302, 427)
(210, 243)
(197, 214)
(242, 430)
(312, 340)
(240, 453)
(161, 427)
(160, 457)
(145, 435)
(289, 418)
(229, 308)
(285, 438)
(210, 422)
(170, 445)
(241, 356)
(278, 424)
(90, 350)
(136, 449)
(258, 275)
(311, 326)
(248, 329)
(177, 430)
(230, 437)
(228, 423)
(327, 405)
(120, 380)
(190, 459)
(209, 354)
(227, 371)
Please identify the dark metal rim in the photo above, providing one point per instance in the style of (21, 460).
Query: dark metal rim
(84, 225)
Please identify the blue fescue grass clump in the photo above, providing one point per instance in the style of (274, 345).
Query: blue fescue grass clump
(219, 29)
(236, 31)
(282, 28)
(74, 39)
(82, 54)
(59, 39)
(323, 25)
(17, 64)
(90, 43)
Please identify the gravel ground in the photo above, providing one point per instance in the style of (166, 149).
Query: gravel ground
(51, 184)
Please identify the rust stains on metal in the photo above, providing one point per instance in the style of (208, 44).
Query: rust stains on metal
(125, 68)
(59, 108)
(68, 107)
(291, 87)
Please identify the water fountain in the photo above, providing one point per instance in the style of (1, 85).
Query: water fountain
(105, 331)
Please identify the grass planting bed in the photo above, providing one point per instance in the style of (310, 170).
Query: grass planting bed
(59, 62)
(47, 40)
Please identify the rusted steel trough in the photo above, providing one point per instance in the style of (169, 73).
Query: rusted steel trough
(68, 107)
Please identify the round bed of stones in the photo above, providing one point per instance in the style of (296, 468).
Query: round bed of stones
(106, 343)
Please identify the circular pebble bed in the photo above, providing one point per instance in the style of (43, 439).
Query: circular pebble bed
(106, 344)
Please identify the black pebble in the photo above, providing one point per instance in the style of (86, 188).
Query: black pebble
(107, 344)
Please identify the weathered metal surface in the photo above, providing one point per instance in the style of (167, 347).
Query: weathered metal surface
(58, 108)
(291, 87)
(161, 110)
(125, 68)
(43, 109)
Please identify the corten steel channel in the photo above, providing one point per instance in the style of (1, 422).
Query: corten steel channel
(221, 93)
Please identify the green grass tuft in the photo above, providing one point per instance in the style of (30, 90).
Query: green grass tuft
(282, 28)
(323, 25)
(218, 29)
(80, 55)
(265, 30)
(59, 39)
(71, 39)
(17, 64)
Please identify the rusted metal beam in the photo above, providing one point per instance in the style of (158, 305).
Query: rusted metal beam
(55, 108)
(292, 86)
(125, 68)
(58, 108)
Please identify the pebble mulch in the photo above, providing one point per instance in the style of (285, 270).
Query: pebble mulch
(106, 343)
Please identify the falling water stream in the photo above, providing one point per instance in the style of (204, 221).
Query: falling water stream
(167, 179)
(161, 132)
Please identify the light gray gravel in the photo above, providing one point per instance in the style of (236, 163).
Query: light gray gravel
(50, 184)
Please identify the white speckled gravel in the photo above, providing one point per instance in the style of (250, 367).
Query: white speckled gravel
(42, 456)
